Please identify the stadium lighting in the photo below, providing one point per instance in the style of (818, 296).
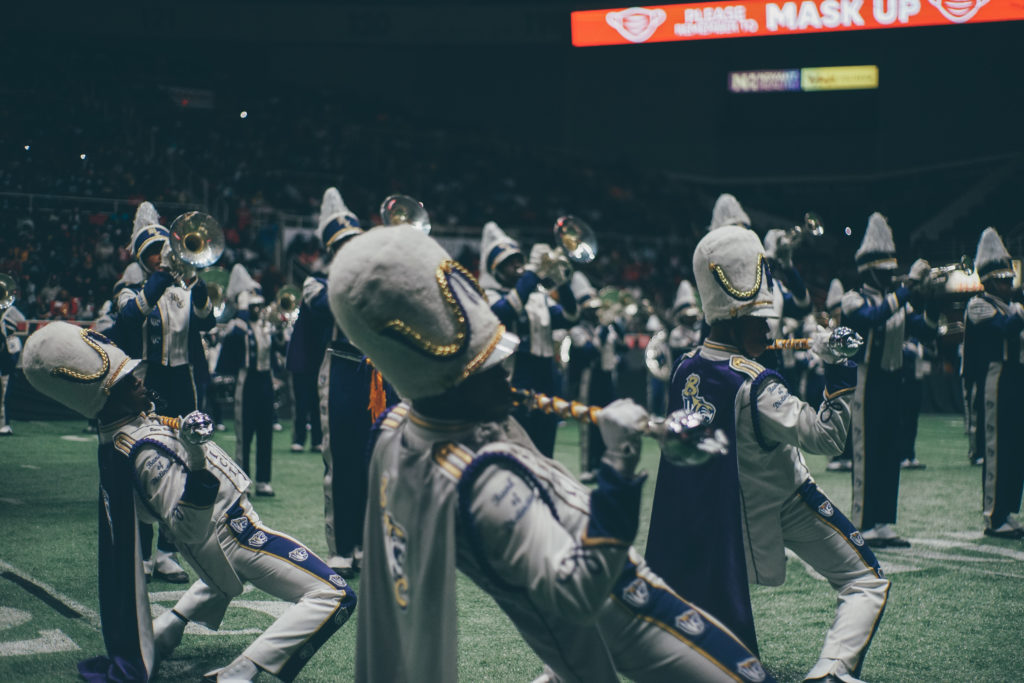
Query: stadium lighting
(82, 156)
(847, 231)
(28, 147)
(244, 114)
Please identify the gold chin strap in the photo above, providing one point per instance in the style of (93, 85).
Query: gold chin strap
(741, 294)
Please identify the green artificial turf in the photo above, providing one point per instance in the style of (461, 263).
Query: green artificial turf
(956, 609)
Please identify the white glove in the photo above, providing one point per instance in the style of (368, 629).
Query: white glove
(919, 276)
(195, 430)
(1016, 309)
(622, 424)
(820, 347)
(549, 264)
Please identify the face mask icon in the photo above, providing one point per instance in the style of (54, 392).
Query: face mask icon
(637, 24)
(959, 11)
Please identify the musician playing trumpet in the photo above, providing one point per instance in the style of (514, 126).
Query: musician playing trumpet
(884, 315)
(518, 291)
(992, 356)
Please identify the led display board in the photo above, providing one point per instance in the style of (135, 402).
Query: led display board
(743, 18)
(807, 79)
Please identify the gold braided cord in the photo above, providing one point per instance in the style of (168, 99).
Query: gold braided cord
(109, 384)
(172, 422)
(417, 338)
(75, 376)
(744, 294)
(483, 355)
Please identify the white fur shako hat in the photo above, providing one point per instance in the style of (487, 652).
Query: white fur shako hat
(834, 297)
(992, 260)
(732, 275)
(495, 247)
(146, 230)
(771, 242)
(686, 299)
(337, 223)
(878, 250)
(583, 291)
(243, 291)
(414, 311)
(75, 366)
(728, 211)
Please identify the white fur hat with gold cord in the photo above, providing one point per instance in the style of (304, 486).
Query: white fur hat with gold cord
(75, 366)
(877, 250)
(992, 260)
(417, 314)
(732, 275)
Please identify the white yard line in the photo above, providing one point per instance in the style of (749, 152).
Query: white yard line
(90, 616)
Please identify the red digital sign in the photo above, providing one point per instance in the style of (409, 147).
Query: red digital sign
(743, 18)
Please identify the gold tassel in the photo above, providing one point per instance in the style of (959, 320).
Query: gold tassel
(378, 397)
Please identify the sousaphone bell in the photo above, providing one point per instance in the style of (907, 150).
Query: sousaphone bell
(8, 291)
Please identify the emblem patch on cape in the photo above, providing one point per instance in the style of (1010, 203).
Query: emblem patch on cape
(693, 402)
(636, 593)
(751, 670)
(690, 623)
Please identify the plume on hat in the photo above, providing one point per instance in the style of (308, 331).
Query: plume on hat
(877, 250)
(834, 297)
(243, 290)
(992, 260)
(337, 222)
(495, 247)
(728, 211)
(583, 291)
(686, 299)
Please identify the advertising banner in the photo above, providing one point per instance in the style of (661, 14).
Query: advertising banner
(863, 77)
(744, 18)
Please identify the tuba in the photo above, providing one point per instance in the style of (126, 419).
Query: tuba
(397, 209)
(8, 291)
(196, 241)
(575, 242)
(289, 298)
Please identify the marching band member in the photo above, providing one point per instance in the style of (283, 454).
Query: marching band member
(515, 290)
(684, 335)
(719, 525)
(992, 349)
(352, 396)
(883, 315)
(166, 470)
(10, 351)
(248, 353)
(596, 347)
(160, 322)
(305, 354)
(456, 483)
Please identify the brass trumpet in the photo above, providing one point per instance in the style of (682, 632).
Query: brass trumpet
(196, 241)
(685, 438)
(8, 291)
(939, 274)
(398, 209)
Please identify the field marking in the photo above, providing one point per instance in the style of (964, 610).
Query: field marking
(46, 643)
(10, 617)
(89, 615)
(30, 467)
(12, 501)
(79, 439)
